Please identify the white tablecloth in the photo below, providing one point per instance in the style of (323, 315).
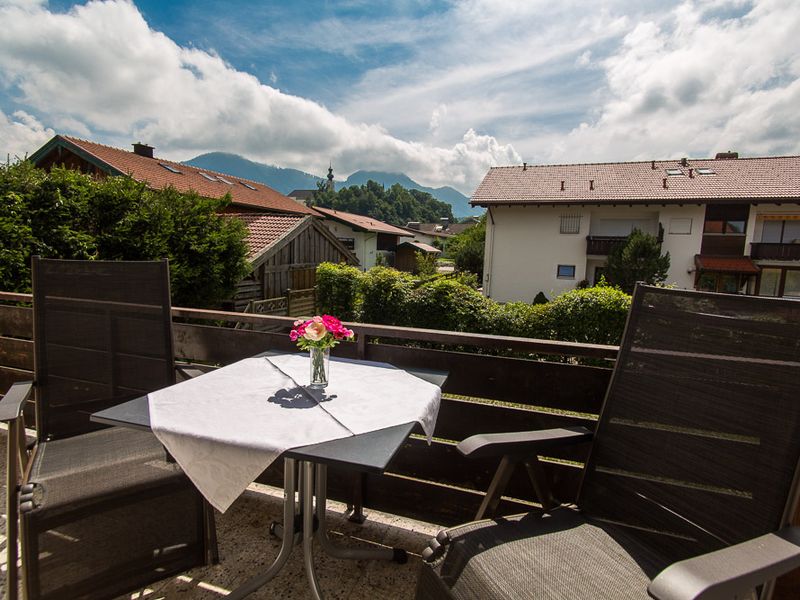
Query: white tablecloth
(225, 427)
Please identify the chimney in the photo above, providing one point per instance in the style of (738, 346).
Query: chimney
(445, 221)
(413, 225)
(684, 162)
(726, 155)
(691, 173)
(665, 183)
(653, 165)
(562, 185)
(143, 150)
(524, 166)
(591, 184)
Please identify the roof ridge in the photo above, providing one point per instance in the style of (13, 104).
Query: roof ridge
(636, 162)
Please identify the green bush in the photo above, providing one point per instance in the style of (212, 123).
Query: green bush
(449, 305)
(593, 315)
(384, 295)
(337, 290)
(520, 319)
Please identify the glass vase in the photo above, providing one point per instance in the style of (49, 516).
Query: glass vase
(320, 358)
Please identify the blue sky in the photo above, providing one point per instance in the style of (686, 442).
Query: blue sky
(438, 90)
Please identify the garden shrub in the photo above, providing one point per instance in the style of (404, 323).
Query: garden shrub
(593, 315)
(520, 319)
(450, 305)
(384, 295)
(337, 290)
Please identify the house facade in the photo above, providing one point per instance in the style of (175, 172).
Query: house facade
(729, 224)
(366, 237)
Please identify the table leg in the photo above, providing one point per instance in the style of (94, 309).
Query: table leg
(256, 582)
(396, 554)
(308, 528)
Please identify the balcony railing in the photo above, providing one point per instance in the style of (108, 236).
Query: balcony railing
(770, 251)
(602, 244)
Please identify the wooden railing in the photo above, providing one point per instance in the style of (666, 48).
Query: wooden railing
(485, 392)
(766, 251)
(601, 245)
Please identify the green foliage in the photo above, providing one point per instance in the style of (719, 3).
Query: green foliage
(467, 247)
(65, 214)
(425, 264)
(384, 295)
(337, 290)
(593, 315)
(396, 206)
(638, 259)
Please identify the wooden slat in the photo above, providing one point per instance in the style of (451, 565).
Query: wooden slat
(16, 353)
(9, 375)
(16, 321)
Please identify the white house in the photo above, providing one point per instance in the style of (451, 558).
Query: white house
(730, 224)
(365, 236)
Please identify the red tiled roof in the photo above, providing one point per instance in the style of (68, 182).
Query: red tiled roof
(149, 170)
(726, 264)
(263, 229)
(764, 178)
(422, 247)
(362, 222)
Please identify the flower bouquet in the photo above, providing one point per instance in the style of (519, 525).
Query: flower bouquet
(318, 335)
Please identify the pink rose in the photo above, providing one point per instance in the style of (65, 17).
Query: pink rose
(315, 331)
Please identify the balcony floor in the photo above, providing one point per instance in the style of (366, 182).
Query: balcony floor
(246, 548)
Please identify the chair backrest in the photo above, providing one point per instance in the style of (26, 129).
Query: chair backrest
(102, 335)
(698, 441)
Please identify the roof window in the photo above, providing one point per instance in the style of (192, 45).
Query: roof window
(171, 169)
(223, 180)
(674, 172)
(247, 185)
(705, 171)
(207, 176)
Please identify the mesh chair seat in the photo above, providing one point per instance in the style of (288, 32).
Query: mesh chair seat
(552, 557)
(70, 472)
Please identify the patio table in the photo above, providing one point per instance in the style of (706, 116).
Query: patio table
(364, 448)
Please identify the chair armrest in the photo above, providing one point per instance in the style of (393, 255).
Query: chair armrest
(733, 570)
(521, 442)
(12, 403)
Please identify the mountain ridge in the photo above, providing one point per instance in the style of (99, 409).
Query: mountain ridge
(286, 180)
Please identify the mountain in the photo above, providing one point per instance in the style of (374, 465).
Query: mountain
(286, 180)
(283, 180)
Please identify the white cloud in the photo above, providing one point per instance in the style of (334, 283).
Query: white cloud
(101, 68)
(22, 134)
(692, 84)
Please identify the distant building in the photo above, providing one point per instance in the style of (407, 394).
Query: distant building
(436, 233)
(730, 224)
(305, 196)
(366, 237)
(406, 255)
(286, 240)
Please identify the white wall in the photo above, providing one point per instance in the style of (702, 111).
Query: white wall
(524, 246)
(366, 243)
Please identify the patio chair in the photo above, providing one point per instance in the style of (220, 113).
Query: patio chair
(101, 510)
(692, 477)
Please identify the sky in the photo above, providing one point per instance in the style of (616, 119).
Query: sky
(439, 90)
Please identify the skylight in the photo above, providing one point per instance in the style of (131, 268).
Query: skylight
(706, 171)
(247, 185)
(207, 176)
(171, 169)
(674, 172)
(223, 180)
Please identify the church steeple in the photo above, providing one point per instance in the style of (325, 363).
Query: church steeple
(330, 178)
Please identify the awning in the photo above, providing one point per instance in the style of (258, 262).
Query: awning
(421, 247)
(726, 264)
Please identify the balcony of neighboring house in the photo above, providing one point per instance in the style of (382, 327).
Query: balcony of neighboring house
(606, 233)
(780, 239)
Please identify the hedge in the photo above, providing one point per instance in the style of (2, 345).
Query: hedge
(382, 295)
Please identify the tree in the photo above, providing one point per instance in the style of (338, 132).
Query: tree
(65, 214)
(638, 259)
(466, 248)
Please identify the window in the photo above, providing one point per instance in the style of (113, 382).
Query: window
(171, 169)
(207, 176)
(781, 232)
(705, 171)
(770, 282)
(570, 224)
(674, 172)
(223, 180)
(726, 219)
(349, 243)
(680, 226)
(247, 185)
(565, 272)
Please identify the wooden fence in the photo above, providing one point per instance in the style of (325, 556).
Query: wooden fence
(296, 303)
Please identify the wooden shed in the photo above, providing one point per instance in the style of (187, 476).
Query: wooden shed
(284, 251)
(405, 258)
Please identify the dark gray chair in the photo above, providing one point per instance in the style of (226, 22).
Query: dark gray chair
(101, 510)
(691, 481)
